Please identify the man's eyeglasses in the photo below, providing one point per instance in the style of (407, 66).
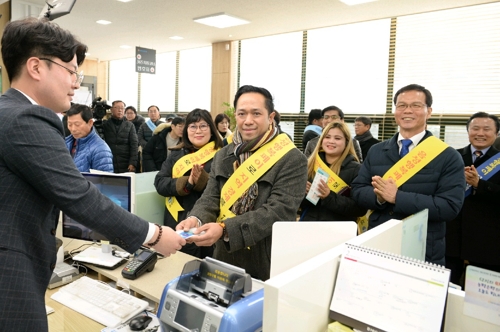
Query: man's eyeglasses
(333, 117)
(194, 128)
(414, 106)
(79, 76)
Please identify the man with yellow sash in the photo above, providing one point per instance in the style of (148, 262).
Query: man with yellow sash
(413, 171)
(256, 180)
(474, 235)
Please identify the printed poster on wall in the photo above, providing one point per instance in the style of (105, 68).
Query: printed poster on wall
(145, 60)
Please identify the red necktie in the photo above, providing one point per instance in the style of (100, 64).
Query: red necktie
(73, 149)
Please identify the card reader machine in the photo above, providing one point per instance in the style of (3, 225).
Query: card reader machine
(212, 296)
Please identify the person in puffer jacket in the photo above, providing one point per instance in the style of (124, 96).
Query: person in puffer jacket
(88, 149)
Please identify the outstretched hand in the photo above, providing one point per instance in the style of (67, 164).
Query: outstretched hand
(170, 242)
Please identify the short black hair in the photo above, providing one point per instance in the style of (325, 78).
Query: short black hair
(194, 116)
(118, 101)
(83, 110)
(484, 115)
(315, 114)
(221, 117)
(415, 87)
(177, 121)
(366, 120)
(130, 108)
(333, 108)
(33, 37)
(250, 88)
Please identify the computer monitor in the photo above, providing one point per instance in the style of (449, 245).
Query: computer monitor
(117, 188)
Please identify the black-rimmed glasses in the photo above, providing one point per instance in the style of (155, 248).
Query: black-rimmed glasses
(79, 76)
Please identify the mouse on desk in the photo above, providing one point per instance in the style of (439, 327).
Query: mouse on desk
(139, 323)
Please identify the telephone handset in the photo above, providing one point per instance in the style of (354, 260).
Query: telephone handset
(143, 262)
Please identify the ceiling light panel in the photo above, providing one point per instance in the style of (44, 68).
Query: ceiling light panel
(221, 20)
(355, 2)
(103, 22)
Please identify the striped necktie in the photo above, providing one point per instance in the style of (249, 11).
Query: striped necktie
(478, 153)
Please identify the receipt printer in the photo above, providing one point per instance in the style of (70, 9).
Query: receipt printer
(212, 296)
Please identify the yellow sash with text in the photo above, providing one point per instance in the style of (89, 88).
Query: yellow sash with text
(407, 167)
(335, 183)
(182, 166)
(250, 171)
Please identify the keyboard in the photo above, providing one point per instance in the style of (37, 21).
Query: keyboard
(99, 301)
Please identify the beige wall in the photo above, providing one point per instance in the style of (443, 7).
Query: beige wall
(98, 69)
(221, 77)
(5, 12)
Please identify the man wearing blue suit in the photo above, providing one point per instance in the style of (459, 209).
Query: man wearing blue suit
(38, 177)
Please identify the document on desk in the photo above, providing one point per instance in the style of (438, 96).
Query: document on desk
(482, 294)
(414, 239)
(378, 291)
(49, 310)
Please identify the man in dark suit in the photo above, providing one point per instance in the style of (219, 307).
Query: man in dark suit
(362, 126)
(38, 177)
(439, 186)
(475, 233)
(121, 137)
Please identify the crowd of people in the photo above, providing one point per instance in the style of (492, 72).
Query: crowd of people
(366, 178)
(231, 186)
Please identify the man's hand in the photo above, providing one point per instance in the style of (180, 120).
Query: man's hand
(169, 242)
(131, 168)
(213, 232)
(384, 189)
(187, 224)
(195, 174)
(471, 176)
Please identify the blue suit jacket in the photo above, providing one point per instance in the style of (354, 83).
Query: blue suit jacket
(37, 179)
(439, 187)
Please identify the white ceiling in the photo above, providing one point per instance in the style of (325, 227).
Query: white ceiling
(150, 23)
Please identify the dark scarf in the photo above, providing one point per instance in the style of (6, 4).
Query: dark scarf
(243, 150)
(365, 137)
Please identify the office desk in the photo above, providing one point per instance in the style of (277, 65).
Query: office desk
(149, 285)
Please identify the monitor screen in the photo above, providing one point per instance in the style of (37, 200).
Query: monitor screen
(117, 188)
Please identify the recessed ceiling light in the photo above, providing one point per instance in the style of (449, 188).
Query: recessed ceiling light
(103, 22)
(124, 0)
(220, 20)
(355, 2)
(176, 37)
(125, 46)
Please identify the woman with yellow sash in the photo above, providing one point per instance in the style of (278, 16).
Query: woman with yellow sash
(184, 174)
(336, 156)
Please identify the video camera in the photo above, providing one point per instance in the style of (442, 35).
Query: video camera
(99, 109)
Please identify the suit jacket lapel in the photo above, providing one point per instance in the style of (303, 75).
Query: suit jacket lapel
(392, 150)
(467, 155)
